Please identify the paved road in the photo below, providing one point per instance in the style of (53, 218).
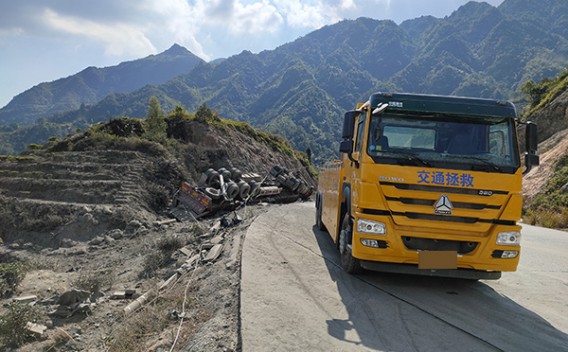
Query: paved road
(294, 297)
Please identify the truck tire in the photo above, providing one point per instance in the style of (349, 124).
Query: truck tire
(254, 189)
(244, 189)
(225, 173)
(319, 210)
(213, 179)
(212, 193)
(232, 190)
(349, 264)
(236, 174)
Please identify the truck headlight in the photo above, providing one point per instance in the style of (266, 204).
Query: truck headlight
(510, 238)
(370, 226)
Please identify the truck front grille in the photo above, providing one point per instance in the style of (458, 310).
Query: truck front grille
(427, 244)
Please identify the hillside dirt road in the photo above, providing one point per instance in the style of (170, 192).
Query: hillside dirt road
(295, 297)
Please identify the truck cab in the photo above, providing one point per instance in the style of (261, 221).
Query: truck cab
(427, 185)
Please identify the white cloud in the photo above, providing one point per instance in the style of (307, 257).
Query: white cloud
(259, 17)
(177, 21)
(117, 39)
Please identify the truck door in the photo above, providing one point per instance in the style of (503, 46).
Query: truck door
(355, 171)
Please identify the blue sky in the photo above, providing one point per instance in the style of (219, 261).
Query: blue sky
(43, 40)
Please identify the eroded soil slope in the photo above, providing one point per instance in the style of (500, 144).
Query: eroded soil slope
(87, 217)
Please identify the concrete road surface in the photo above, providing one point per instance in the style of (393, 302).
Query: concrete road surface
(295, 297)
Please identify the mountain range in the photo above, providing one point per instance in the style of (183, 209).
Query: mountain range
(93, 84)
(301, 89)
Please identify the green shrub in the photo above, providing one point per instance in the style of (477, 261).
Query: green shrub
(11, 275)
(93, 281)
(13, 332)
(169, 244)
(34, 146)
(153, 262)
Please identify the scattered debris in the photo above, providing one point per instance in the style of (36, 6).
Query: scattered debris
(165, 284)
(139, 302)
(123, 294)
(213, 253)
(25, 299)
(36, 329)
(165, 222)
(187, 251)
(73, 296)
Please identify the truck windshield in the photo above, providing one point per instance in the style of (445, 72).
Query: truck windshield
(476, 143)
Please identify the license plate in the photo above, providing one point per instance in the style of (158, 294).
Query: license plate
(437, 260)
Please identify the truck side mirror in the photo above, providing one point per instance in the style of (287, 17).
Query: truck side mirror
(531, 143)
(531, 137)
(349, 124)
(346, 146)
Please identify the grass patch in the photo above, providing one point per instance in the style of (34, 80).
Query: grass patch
(11, 275)
(160, 254)
(554, 219)
(550, 207)
(132, 334)
(93, 281)
(542, 93)
(153, 262)
(154, 323)
(13, 331)
(17, 158)
(169, 244)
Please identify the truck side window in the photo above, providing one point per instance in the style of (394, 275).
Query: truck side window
(360, 134)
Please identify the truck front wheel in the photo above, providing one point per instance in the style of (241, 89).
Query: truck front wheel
(348, 263)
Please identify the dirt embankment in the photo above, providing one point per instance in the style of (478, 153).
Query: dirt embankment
(88, 216)
(552, 123)
(552, 118)
(550, 151)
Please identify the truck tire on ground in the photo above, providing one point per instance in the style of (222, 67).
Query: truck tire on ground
(348, 263)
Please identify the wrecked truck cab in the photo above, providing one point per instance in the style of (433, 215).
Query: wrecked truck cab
(228, 189)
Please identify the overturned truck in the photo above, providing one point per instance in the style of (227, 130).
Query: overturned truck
(227, 189)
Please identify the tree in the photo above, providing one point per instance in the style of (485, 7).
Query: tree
(536, 91)
(204, 114)
(155, 126)
(309, 154)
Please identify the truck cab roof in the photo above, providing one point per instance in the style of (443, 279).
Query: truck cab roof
(446, 105)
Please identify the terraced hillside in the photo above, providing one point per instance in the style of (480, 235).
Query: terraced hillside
(96, 190)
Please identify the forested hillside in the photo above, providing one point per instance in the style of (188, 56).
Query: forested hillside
(301, 89)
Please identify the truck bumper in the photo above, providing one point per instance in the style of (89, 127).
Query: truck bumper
(394, 253)
(413, 270)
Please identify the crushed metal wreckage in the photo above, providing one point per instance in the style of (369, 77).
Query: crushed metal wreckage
(228, 189)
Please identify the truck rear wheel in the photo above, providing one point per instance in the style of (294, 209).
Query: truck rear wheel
(348, 263)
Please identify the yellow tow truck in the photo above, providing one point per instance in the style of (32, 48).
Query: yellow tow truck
(427, 185)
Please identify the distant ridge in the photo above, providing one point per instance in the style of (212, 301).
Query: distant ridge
(93, 84)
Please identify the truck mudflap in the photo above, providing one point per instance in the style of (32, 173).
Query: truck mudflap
(414, 270)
